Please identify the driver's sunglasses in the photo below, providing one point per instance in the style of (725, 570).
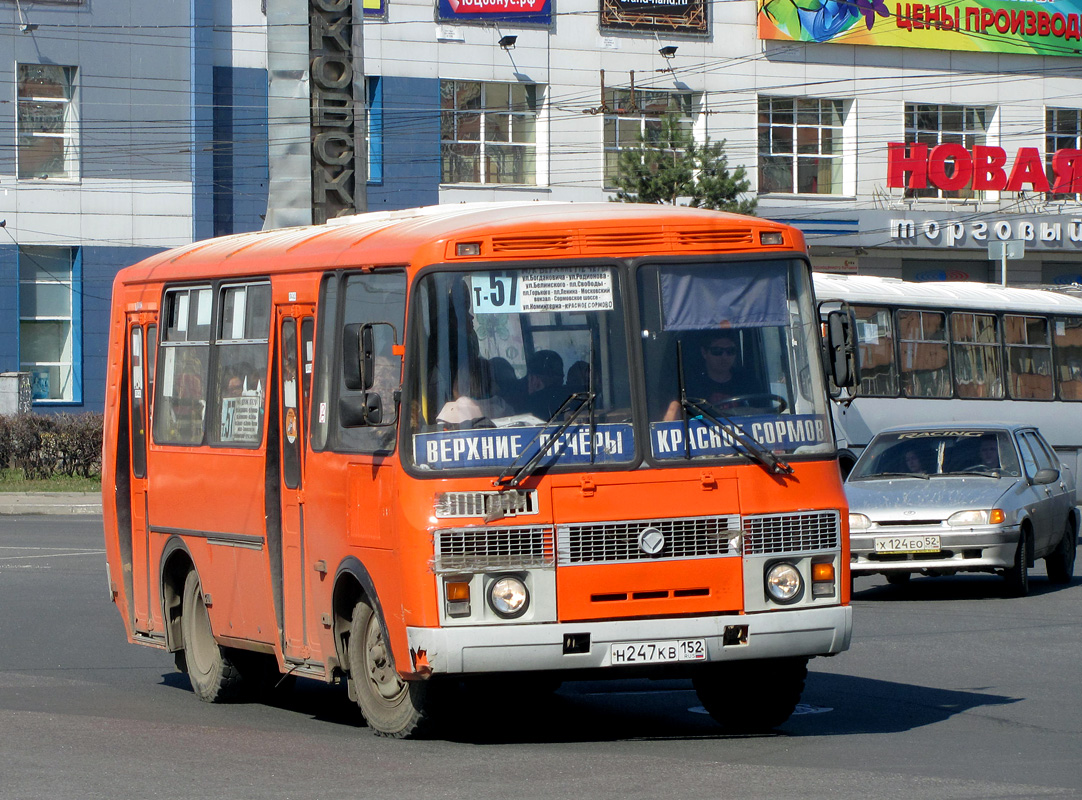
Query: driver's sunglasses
(721, 351)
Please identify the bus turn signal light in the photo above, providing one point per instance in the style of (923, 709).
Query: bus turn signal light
(822, 572)
(823, 579)
(456, 595)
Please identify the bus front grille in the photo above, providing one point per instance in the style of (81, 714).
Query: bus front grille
(647, 540)
(493, 548)
(798, 532)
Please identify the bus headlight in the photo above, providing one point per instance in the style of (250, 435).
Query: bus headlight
(783, 583)
(508, 597)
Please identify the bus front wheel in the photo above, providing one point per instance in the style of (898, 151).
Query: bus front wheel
(214, 676)
(391, 707)
(752, 696)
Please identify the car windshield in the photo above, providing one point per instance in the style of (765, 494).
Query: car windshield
(730, 354)
(519, 367)
(936, 452)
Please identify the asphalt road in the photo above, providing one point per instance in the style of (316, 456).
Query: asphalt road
(949, 691)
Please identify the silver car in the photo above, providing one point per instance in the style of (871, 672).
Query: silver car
(961, 498)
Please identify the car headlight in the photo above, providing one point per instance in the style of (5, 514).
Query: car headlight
(508, 597)
(784, 583)
(859, 522)
(977, 517)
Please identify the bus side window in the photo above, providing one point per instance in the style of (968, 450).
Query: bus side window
(924, 366)
(181, 389)
(241, 380)
(378, 297)
(975, 355)
(1067, 338)
(875, 339)
(1029, 357)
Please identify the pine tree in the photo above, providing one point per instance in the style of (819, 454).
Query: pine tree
(670, 167)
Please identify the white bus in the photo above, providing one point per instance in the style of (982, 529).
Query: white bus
(960, 352)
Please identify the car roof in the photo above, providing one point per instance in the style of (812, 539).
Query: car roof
(960, 426)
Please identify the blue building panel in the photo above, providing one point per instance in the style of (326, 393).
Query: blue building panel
(410, 144)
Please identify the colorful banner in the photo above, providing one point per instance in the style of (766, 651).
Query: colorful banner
(374, 8)
(528, 12)
(1051, 28)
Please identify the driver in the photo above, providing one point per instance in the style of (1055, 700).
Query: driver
(720, 376)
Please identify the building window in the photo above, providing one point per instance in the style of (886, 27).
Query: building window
(1062, 131)
(800, 145)
(48, 144)
(488, 132)
(48, 321)
(934, 125)
(634, 117)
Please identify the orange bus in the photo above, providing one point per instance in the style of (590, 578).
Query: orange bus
(537, 442)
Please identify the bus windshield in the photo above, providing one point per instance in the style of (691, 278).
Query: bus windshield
(730, 354)
(516, 365)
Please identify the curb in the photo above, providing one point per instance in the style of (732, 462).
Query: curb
(57, 503)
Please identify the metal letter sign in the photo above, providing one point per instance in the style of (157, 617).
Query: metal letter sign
(333, 109)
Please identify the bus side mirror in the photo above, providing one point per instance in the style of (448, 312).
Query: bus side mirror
(358, 356)
(842, 354)
(359, 410)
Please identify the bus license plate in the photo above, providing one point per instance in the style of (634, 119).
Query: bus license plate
(657, 652)
(907, 544)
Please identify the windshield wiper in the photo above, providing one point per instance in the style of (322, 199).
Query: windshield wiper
(695, 405)
(981, 473)
(922, 475)
(586, 399)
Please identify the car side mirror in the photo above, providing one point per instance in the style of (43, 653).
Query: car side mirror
(1044, 476)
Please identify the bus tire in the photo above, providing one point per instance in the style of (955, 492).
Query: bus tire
(213, 675)
(391, 707)
(898, 578)
(1060, 563)
(752, 696)
(1017, 575)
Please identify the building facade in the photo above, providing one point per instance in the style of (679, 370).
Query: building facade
(908, 140)
(808, 100)
(124, 129)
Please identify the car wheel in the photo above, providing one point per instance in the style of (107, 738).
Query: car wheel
(1060, 564)
(1017, 574)
(898, 578)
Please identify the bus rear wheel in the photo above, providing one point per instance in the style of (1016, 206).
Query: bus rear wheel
(391, 706)
(752, 696)
(214, 677)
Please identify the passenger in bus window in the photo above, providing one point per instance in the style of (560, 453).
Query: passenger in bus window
(718, 378)
(545, 391)
(478, 405)
(578, 377)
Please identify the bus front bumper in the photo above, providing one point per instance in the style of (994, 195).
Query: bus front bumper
(589, 645)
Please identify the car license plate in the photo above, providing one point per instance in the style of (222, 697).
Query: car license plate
(657, 652)
(907, 544)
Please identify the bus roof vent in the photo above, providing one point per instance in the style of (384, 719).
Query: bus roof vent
(547, 241)
(618, 239)
(713, 239)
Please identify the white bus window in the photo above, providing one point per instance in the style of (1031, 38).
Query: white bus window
(976, 355)
(875, 338)
(924, 366)
(1067, 337)
(1029, 357)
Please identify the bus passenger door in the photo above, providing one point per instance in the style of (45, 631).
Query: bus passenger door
(295, 326)
(141, 341)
